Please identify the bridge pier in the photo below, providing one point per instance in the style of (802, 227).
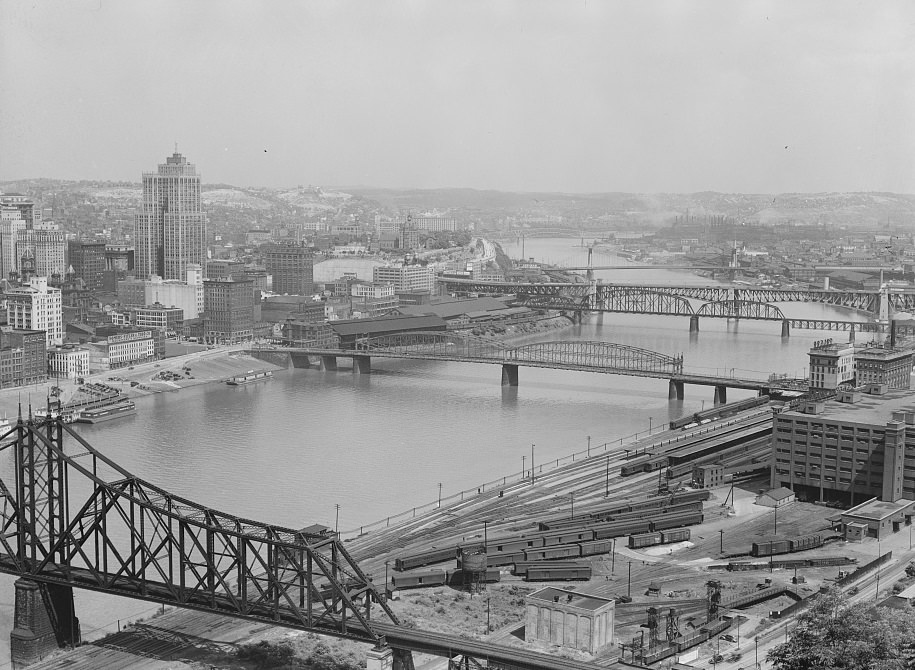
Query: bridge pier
(379, 658)
(721, 395)
(694, 324)
(329, 363)
(300, 361)
(509, 374)
(44, 620)
(675, 390)
(786, 328)
(362, 365)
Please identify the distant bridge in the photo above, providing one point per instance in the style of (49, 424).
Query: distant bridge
(601, 357)
(719, 301)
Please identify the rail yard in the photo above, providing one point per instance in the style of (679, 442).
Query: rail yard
(691, 570)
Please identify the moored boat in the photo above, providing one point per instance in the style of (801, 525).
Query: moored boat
(107, 413)
(249, 377)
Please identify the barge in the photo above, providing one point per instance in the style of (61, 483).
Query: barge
(107, 413)
(249, 377)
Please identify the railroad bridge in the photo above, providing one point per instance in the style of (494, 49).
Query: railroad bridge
(718, 301)
(73, 518)
(584, 356)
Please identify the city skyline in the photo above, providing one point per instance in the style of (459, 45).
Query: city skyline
(761, 97)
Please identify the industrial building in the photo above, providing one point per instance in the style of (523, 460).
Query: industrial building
(857, 447)
(569, 619)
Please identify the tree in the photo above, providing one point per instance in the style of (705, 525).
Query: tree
(836, 635)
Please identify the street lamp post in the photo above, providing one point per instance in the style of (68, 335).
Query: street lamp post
(532, 465)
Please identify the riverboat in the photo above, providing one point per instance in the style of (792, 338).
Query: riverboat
(249, 377)
(107, 413)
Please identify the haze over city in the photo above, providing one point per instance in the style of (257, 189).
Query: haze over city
(762, 97)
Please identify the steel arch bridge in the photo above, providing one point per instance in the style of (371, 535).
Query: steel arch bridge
(594, 356)
(73, 518)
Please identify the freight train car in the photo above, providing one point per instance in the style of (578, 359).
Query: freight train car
(500, 558)
(675, 535)
(521, 567)
(596, 547)
(634, 466)
(676, 520)
(620, 528)
(424, 558)
(551, 553)
(543, 573)
(419, 579)
(779, 545)
(644, 540)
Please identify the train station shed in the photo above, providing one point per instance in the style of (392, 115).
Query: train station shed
(777, 497)
(569, 619)
(881, 517)
(351, 330)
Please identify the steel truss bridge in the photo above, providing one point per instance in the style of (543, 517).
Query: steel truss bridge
(603, 357)
(73, 518)
(719, 301)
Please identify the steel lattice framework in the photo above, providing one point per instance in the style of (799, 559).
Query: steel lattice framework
(627, 299)
(742, 309)
(75, 518)
(596, 356)
(599, 296)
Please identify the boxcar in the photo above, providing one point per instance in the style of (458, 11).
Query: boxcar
(496, 559)
(419, 579)
(675, 535)
(676, 520)
(521, 567)
(770, 547)
(542, 573)
(644, 540)
(516, 543)
(420, 559)
(568, 536)
(803, 542)
(621, 528)
(596, 547)
(549, 553)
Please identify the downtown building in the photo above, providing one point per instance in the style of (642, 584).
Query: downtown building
(228, 311)
(292, 268)
(23, 357)
(406, 278)
(185, 295)
(88, 261)
(171, 227)
(36, 307)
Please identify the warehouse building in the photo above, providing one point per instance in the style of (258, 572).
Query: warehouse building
(857, 447)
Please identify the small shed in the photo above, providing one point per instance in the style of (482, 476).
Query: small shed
(881, 517)
(905, 599)
(776, 497)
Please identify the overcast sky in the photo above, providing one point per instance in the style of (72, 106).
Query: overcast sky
(530, 96)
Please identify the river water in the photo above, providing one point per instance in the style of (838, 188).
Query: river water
(289, 450)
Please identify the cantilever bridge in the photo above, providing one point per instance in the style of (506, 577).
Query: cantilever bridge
(718, 301)
(73, 518)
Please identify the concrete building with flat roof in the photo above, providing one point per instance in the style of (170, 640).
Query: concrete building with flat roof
(831, 364)
(877, 518)
(883, 365)
(847, 451)
(569, 619)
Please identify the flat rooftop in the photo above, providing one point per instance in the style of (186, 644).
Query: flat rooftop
(877, 510)
(573, 598)
(870, 409)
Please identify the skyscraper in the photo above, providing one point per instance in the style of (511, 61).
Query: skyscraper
(292, 267)
(171, 225)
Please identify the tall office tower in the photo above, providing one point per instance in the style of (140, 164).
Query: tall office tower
(171, 227)
(11, 226)
(228, 312)
(23, 204)
(46, 244)
(292, 267)
(88, 262)
(36, 307)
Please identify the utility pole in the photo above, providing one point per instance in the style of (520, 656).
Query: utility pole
(607, 494)
(523, 468)
(532, 465)
(337, 522)
(629, 581)
(488, 625)
(439, 494)
(775, 532)
(721, 548)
